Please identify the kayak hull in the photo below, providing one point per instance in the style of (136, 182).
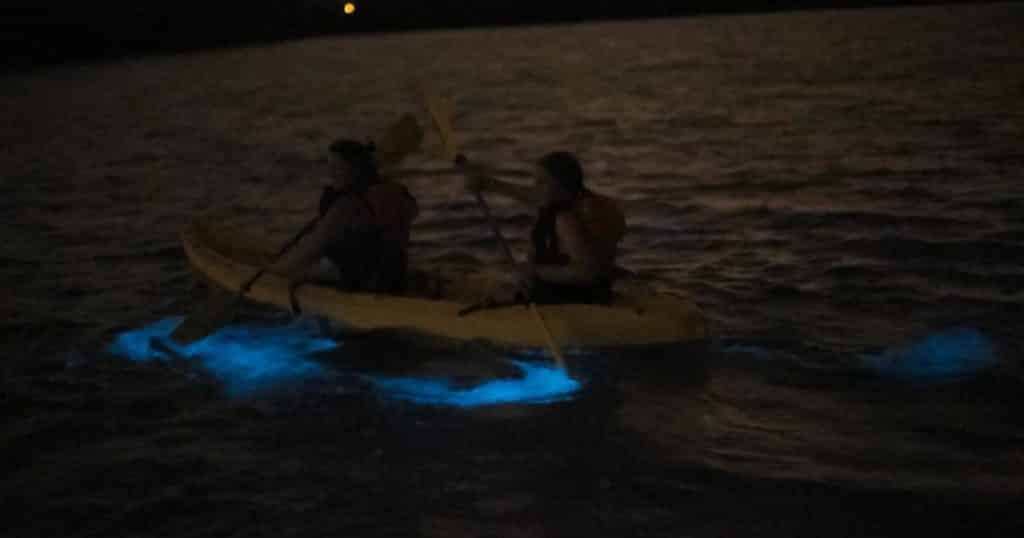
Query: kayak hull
(227, 259)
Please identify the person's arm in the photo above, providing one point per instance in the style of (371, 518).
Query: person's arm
(478, 180)
(585, 265)
(519, 193)
(311, 248)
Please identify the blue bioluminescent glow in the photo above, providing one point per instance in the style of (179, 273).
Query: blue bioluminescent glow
(539, 384)
(745, 349)
(944, 355)
(246, 359)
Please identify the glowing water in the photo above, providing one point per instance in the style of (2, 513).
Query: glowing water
(745, 349)
(245, 359)
(943, 355)
(539, 384)
(250, 359)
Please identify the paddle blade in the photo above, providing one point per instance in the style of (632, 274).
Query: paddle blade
(207, 317)
(401, 139)
(440, 109)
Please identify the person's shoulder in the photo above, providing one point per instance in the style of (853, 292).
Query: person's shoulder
(597, 203)
(603, 215)
(393, 196)
(344, 208)
(389, 188)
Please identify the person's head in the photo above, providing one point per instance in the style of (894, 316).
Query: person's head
(352, 164)
(558, 178)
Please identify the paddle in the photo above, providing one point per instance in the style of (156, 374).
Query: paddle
(440, 113)
(401, 139)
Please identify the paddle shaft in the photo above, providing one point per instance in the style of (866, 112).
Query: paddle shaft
(440, 115)
(284, 250)
(220, 312)
(401, 139)
(486, 209)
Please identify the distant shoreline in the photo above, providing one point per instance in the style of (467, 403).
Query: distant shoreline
(35, 39)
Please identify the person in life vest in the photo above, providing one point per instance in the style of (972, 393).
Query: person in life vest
(361, 239)
(575, 234)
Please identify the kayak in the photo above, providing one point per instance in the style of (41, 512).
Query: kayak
(635, 317)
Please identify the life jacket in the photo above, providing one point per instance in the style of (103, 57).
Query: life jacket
(600, 216)
(371, 256)
(604, 225)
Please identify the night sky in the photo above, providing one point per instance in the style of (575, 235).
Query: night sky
(36, 34)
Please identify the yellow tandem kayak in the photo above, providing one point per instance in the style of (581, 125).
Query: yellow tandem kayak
(227, 258)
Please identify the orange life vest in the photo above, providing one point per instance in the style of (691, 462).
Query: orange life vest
(600, 216)
(393, 210)
(372, 256)
(603, 219)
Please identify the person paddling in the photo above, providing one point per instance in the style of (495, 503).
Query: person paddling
(575, 234)
(361, 239)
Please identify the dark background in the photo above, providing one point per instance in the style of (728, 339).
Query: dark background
(35, 34)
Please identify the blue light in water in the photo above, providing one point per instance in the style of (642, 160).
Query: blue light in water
(948, 354)
(539, 384)
(745, 349)
(245, 359)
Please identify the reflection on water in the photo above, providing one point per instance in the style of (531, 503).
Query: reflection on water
(250, 359)
(539, 384)
(246, 359)
(942, 355)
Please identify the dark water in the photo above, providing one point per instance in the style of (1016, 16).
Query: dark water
(840, 191)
